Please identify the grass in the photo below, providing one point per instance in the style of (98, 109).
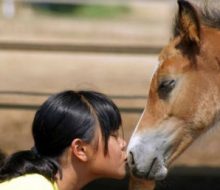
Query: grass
(101, 11)
(84, 11)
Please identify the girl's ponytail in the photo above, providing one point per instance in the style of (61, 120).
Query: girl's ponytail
(27, 162)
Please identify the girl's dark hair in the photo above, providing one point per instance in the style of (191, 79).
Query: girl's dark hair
(2, 157)
(60, 119)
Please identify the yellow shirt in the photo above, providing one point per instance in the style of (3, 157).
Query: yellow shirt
(29, 182)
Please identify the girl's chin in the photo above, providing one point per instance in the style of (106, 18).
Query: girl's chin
(121, 175)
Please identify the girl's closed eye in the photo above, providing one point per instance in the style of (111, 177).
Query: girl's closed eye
(115, 134)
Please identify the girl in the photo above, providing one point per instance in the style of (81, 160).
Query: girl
(76, 141)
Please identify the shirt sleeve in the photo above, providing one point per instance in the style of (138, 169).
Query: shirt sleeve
(28, 182)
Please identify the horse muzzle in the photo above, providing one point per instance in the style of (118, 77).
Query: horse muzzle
(154, 170)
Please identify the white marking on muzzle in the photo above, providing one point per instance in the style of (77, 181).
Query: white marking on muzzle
(152, 143)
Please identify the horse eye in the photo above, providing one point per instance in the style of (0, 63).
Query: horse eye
(165, 88)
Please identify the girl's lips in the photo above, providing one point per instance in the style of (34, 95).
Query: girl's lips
(126, 159)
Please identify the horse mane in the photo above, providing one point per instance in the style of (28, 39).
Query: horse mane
(208, 16)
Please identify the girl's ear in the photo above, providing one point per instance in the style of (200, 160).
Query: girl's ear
(80, 149)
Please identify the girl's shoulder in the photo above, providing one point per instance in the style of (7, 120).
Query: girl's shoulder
(27, 182)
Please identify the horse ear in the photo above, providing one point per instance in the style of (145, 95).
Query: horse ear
(187, 23)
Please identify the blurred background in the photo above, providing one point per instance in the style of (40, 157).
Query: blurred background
(47, 46)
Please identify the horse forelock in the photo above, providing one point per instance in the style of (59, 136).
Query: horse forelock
(169, 51)
(207, 58)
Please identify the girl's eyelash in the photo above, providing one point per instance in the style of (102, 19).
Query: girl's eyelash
(114, 135)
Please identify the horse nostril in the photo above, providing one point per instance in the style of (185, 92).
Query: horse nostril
(132, 158)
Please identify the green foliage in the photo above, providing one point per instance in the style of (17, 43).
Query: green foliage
(85, 11)
(101, 11)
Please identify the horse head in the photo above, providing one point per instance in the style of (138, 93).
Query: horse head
(184, 95)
